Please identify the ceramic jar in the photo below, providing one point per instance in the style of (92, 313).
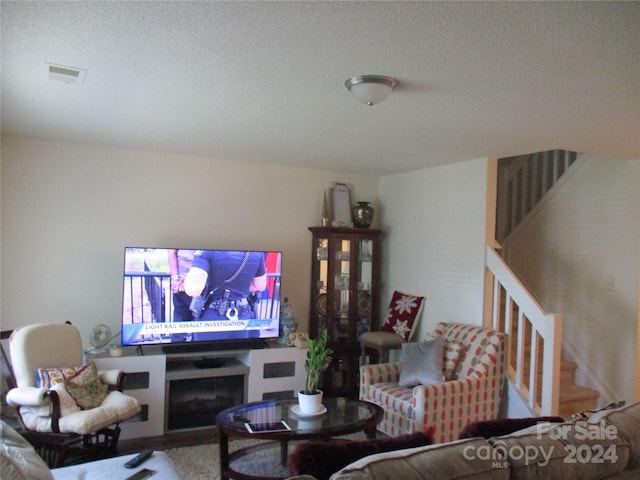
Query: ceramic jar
(362, 215)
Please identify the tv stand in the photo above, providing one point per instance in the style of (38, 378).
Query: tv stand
(182, 391)
(222, 345)
(210, 362)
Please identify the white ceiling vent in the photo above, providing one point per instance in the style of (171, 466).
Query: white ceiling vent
(60, 73)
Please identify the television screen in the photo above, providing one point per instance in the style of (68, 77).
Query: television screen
(186, 296)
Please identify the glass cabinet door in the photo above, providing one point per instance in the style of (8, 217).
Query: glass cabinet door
(319, 290)
(364, 282)
(342, 289)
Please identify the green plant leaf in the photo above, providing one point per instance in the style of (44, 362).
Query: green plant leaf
(318, 359)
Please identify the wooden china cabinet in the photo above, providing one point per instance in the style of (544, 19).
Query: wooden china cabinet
(345, 286)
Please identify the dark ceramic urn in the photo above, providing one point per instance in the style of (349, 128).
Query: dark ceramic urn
(362, 215)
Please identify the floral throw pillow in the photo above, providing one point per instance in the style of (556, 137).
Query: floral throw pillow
(83, 383)
(48, 377)
(86, 388)
(402, 314)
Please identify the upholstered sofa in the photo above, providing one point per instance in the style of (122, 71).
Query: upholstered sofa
(605, 446)
(471, 391)
(19, 461)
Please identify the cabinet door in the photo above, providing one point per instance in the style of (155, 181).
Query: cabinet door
(343, 256)
(366, 283)
(319, 285)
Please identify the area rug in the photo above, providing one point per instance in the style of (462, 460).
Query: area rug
(202, 462)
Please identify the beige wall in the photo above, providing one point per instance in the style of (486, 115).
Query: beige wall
(68, 210)
(579, 256)
(435, 224)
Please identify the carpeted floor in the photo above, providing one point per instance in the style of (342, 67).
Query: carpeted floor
(196, 463)
(202, 462)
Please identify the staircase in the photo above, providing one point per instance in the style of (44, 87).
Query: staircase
(574, 398)
(523, 181)
(545, 382)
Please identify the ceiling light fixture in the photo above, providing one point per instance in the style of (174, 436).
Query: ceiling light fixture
(371, 89)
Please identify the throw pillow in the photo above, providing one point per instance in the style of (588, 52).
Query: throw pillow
(323, 458)
(402, 314)
(86, 388)
(452, 354)
(422, 363)
(48, 377)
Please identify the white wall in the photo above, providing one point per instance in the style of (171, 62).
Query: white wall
(579, 256)
(68, 210)
(434, 221)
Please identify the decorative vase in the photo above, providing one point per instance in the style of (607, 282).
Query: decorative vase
(310, 403)
(362, 215)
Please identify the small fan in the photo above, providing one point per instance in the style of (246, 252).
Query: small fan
(100, 337)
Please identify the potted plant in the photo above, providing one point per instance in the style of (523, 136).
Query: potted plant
(318, 359)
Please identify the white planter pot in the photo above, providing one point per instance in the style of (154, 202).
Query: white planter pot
(310, 404)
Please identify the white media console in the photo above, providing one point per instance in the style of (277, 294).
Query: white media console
(181, 391)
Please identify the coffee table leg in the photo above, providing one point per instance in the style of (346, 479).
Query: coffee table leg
(224, 455)
(370, 432)
(284, 452)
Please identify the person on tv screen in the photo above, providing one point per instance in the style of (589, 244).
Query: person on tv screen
(179, 264)
(223, 281)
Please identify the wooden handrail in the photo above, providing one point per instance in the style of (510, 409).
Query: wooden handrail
(534, 336)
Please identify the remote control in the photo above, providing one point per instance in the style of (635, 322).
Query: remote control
(138, 459)
(142, 474)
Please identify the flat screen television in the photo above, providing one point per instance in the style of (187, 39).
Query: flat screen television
(186, 299)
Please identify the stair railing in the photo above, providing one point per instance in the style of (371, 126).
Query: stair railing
(523, 181)
(534, 337)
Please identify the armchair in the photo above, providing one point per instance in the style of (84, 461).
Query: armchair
(472, 393)
(61, 402)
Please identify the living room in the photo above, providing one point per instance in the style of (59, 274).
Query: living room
(71, 204)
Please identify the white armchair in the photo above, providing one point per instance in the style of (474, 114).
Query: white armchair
(473, 392)
(60, 401)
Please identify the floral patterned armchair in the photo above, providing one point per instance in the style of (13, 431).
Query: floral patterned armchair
(472, 393)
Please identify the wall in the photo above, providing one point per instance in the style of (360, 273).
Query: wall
(579, 256)
(68, 210)
(435, 233)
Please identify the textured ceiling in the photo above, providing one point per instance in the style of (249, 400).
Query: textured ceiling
(264, 81)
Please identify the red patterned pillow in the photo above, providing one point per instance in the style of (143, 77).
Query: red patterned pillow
(403, 312)
(48, 377)
(452, 354)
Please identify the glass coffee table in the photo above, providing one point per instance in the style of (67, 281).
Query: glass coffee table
(265, 456)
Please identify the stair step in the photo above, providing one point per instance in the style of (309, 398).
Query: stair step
(567, 373)
(575, 399)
